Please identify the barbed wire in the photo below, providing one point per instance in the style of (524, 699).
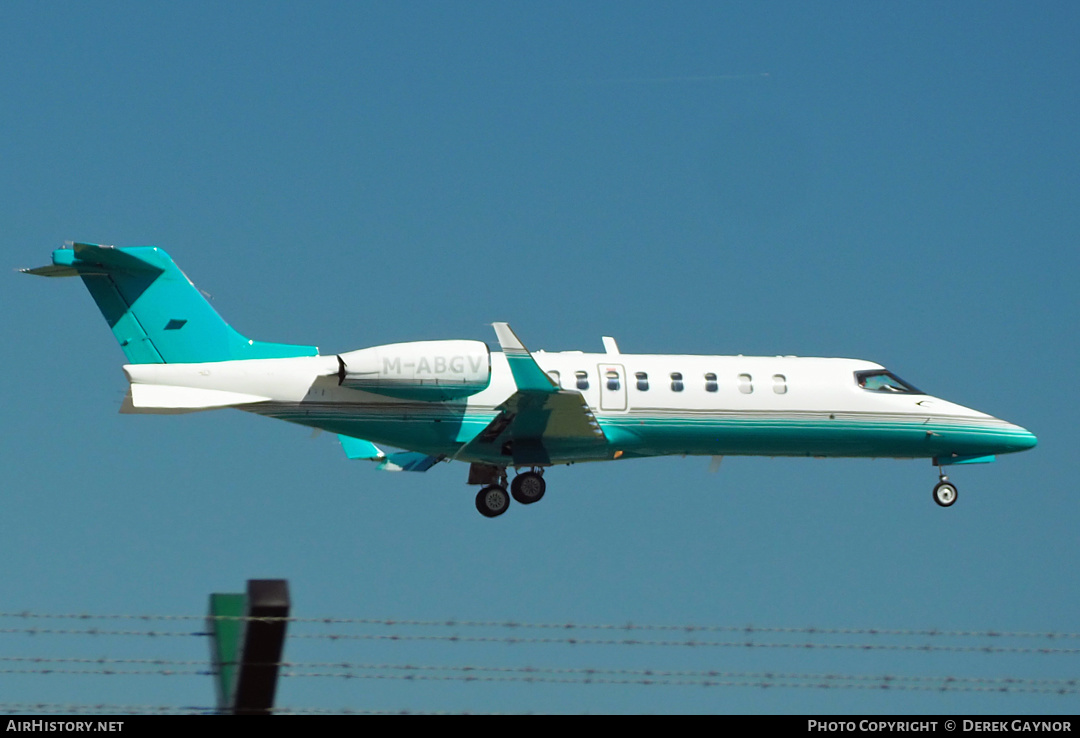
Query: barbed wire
(565, 626)
(577, 676)
(600, 677)
(571, 635)
(102, 632)
(572, 641)
(205, 672)
(702, 678)
(826, 643)
(103, 661)
(60, 708)
(532, 672)
(733, 680)
(348, 669)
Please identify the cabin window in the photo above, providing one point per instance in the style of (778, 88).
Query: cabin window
(676, 382)
(642, 381)
(779, 384)
(612, 380)
(710, 382)
(882, 381)
(746, 384)
(582, 380)
(555, 377)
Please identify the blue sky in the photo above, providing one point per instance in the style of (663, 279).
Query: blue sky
(891, 182)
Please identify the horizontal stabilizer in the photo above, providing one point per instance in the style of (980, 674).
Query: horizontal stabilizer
(956, 459)
(413, 461)
(357, 448)
(52, 270)
(167, 399)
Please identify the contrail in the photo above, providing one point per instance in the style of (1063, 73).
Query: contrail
(668, 80)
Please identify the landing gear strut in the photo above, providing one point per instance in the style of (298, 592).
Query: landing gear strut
(944, 491)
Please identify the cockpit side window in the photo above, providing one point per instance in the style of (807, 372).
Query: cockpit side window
(882, 381)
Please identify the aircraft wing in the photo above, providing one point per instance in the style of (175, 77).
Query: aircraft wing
(538, 424)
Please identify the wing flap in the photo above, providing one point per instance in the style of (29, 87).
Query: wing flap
(538, 428)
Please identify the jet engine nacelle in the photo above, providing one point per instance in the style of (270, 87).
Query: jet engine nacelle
(435, 371)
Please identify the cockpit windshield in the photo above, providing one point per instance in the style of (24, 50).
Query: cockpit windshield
(883, 381)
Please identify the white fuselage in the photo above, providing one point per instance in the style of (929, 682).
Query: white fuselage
(646, 405)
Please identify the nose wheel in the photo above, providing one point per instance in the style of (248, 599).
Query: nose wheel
(945, 493)
(944, 490)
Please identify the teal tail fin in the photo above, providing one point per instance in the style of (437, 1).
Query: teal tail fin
(154, 310)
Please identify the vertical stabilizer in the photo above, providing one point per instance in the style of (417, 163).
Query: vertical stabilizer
(154, 310)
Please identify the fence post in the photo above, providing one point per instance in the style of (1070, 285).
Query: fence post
(247, 640)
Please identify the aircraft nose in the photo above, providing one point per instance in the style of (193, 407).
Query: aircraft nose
(1026, 439)
(1019, 439)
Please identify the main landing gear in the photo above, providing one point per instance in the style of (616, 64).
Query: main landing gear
(527, 488)
(944, 490)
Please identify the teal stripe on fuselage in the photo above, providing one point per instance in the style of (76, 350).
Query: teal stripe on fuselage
(443, 428)
(799, 437)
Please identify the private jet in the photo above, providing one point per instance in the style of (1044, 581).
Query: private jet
(457, 400)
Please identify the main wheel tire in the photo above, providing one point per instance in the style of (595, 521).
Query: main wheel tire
(528, 487)
(492, 501)
(945, 494)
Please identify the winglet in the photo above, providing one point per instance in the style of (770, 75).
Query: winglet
(508, 340)
(527, 373)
